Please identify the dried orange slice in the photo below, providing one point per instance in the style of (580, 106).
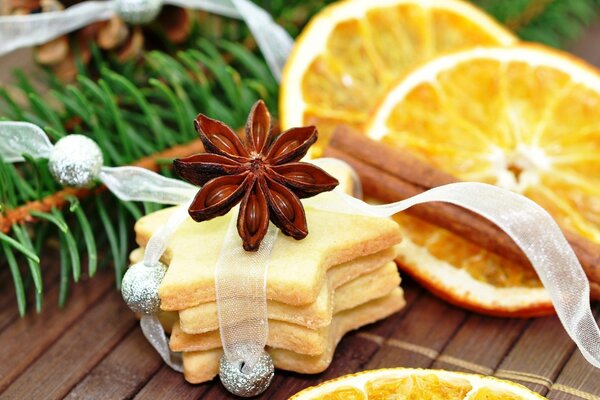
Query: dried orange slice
(352, 50)
(524, 118)
(408, 383)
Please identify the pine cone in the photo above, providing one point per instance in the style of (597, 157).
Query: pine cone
(123, 41)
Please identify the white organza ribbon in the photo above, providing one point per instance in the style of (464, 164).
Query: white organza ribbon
(159, 240)
(155, 335)
(140, 184)
(274, 42)
(18, 31)
(128, 184)
(18, 138)
(533, 230)
(241, 294)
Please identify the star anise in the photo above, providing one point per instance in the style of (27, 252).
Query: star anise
(263, 172)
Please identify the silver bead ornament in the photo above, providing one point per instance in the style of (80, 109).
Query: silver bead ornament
(75, 161)
(139, 287)
(138, 12)
(247, 384)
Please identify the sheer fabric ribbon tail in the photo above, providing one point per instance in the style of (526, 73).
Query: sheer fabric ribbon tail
(535, 232)
(155, 334)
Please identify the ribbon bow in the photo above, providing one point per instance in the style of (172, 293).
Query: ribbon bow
(530, 226)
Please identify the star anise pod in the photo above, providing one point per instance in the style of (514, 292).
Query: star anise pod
(262, 172)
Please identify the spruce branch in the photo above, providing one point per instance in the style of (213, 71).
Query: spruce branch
(33, 210)
(128, 111)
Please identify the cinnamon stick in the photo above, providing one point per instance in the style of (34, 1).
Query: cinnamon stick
(390, 174)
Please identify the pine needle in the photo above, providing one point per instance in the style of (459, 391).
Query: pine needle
(34, 267)
(113, 240)
(7, 240)
(16, 276)
(88, 235)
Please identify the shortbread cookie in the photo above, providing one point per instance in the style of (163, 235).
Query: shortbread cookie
(300, 339)
(297, 268)
(203, 318)
(202, 366)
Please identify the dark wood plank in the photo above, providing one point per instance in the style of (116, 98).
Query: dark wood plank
(480, 344)
(417, 339)
(538, 356)
(167, 384)
(122, 373)
(76, 352)
(8, 301)
(28, 338)
(7, 290)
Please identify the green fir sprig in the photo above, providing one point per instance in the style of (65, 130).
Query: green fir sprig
(131, 114)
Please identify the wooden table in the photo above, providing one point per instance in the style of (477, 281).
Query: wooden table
(94, 349)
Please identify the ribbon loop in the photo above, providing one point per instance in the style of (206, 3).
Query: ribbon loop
(18, 138)
(155, 334)
(274, 42)
(140, 184)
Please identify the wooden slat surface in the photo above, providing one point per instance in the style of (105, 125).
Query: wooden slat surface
(480, 344)
(129, 365)
(94, 349)
(538, 356)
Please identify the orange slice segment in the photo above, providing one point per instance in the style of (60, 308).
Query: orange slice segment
(408, 383)
(523, 118)
(352, 50)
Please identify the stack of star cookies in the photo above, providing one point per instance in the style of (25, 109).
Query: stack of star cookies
(339, 278)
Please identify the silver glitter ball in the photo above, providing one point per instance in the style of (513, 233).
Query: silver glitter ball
(250, 384)
(138, 12)
(140, 287)
(75, 161)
